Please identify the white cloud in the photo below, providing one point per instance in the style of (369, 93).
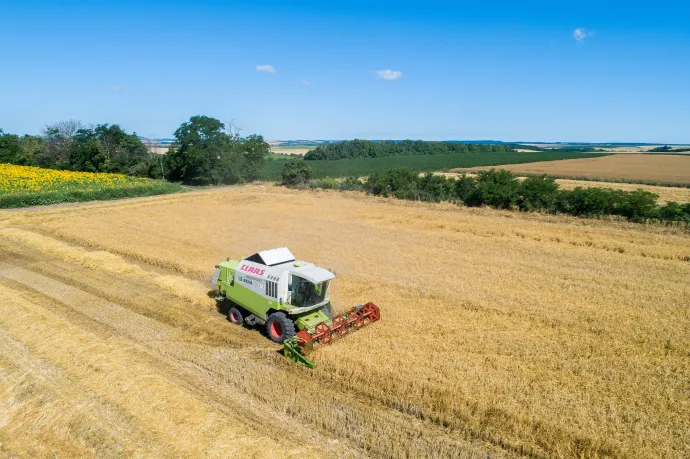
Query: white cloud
(115, 88)
(389, 74)
(265, 68)
(581, 33)
(305, 82)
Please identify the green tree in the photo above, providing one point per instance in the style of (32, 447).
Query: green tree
(57, 141)
(85, 152)
(124, 153)
(31, 149)
(254, 151)
(373, 149)
(296, 172)
(10, 148)
(244, 159)
(198, 152)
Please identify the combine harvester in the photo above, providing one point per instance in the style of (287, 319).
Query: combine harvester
(271, 288)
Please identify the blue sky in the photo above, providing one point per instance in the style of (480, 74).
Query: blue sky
(553, 71)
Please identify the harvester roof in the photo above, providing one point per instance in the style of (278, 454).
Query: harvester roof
(272, 257)
(280, 260)
(311, 272)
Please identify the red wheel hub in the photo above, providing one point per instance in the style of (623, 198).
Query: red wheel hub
(276, 329)
(234, 317)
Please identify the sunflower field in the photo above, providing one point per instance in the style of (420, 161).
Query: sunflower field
(22, 186)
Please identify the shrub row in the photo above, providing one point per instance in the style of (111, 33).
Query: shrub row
(502, 190)
(205, 151)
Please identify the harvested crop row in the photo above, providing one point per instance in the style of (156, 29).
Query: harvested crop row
(527, 334)
(251, 382)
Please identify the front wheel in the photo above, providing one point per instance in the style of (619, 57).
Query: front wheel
(279, 327)
(235, 316)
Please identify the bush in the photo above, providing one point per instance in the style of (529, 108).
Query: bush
(685, 216)
(673, 211)
(436, 188)
(537, 193)
(586, 201)
(326, 183)
(466, 190)
(498, 188)
(329, 183)
(351, 184)
(296, 172)
(638, 205)
(392, 182)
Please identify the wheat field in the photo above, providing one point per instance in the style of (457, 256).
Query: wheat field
(290, 150)
(502, 334)
(650, 168)
(664, 193)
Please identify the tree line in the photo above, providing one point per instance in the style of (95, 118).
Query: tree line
(206, 151)
(501, 189)
(373, 149)
(667, 149)
(70, 145)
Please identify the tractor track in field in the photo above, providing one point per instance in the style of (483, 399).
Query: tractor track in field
(162, 343)
(502, 334)
(196, 349)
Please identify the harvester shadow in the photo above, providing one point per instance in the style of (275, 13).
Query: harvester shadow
(223, 308)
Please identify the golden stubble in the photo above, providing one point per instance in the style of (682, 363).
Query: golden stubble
(673, 169)
(532, 334)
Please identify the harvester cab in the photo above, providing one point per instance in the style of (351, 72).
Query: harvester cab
(291, 298)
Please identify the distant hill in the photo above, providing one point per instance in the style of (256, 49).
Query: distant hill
(548, 145)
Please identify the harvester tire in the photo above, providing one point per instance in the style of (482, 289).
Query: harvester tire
(279, 327)
(235, 316)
